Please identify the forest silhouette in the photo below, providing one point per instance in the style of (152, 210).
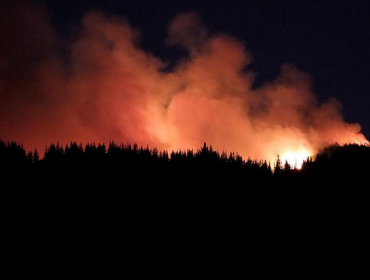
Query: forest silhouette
(121, 164)
(109, 189)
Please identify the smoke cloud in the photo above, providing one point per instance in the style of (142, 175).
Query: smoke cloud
(101, 86)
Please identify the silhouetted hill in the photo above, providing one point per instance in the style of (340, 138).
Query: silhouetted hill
(125, 193)
(129, 166)
(123, 163)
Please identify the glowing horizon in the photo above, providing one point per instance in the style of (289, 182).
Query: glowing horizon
(107, 88)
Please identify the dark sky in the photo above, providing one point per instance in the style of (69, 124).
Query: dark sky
(329, 40)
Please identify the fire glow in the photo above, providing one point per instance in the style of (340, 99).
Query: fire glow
(108, 88)
(296, 159)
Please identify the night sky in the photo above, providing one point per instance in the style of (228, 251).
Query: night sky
(329, 40)
(262, 77)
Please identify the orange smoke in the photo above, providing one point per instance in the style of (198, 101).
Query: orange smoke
(106, 88)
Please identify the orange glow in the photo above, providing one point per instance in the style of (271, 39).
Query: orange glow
(109, 89)
(295, 159)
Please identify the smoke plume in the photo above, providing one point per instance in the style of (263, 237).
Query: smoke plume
(101, 86)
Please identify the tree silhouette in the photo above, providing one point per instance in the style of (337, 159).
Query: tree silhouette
(92, 163)
(278, 166)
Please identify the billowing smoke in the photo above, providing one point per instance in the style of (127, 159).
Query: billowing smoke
(101, 86)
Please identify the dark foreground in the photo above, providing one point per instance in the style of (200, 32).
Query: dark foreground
(118, 171)
(150, 213)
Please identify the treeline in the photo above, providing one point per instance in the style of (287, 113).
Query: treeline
(205, 165)
(13, 154)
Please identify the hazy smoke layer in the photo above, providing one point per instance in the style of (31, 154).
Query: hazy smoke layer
(104, 87)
